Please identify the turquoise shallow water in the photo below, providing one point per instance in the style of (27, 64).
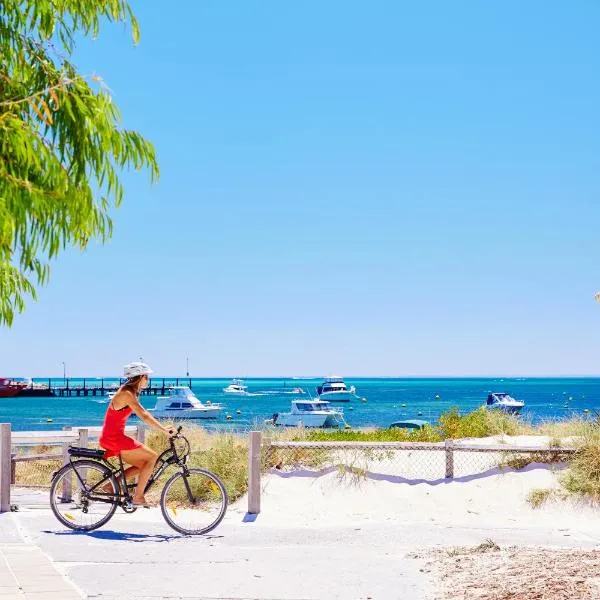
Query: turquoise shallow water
(544, 399)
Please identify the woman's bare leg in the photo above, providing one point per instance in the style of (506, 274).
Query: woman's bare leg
(143, 460)
(129, 473)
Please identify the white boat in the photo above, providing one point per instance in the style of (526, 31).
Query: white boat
(502, 401)
(181, 403)
(334, 389)
(310, 413)
(238, 387)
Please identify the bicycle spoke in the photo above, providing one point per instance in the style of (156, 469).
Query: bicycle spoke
(194, 502)
(78, 498)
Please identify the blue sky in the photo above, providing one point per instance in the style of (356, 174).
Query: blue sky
(367, 188)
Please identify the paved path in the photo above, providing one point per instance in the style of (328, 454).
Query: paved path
(138, 557)
(26, 572)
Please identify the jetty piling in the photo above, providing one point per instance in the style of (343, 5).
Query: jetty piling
(65, 389)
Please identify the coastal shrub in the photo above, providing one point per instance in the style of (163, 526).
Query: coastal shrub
(224, 453)
(298, 458)
(452, 425)
(478, 423)
(573, 427)
(395, 434)
(538, 496)
(501, 423)
(36, 473)
(583, 476)
(519, 460)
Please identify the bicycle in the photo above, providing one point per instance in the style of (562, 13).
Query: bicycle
(193, 500)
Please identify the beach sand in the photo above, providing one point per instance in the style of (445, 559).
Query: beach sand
(539, 553)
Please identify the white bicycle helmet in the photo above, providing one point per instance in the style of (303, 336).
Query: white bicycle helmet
(135, 369)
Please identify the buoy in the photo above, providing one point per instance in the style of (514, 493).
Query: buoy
(229, 417)
(238, 412)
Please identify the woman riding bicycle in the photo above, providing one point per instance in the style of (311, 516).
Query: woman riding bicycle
(113, 438)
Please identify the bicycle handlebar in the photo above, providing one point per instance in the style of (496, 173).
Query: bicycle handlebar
(177, 433)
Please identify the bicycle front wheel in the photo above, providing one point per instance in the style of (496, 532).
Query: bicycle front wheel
(78, 498)
(193, 501)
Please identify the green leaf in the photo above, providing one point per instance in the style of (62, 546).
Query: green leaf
(61, 141)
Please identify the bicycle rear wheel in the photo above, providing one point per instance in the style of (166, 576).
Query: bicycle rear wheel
(193, 501)
(77, 498)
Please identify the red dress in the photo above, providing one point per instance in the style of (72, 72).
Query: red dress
(113, 438)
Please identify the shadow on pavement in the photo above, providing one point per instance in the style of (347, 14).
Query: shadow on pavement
(124, 536)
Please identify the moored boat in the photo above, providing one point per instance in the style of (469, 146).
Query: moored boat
(505, 402)
(310, 413)
(334, 389)
(182, 403)
(237, 387)
(10, 387)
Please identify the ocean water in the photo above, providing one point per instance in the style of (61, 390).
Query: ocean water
(424, 398)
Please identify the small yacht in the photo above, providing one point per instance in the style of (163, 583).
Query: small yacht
(237, 386)
(310, 413)
(334, 389)
(181, 403)
(502, 401)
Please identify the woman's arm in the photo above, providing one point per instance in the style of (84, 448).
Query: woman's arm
(132, 401)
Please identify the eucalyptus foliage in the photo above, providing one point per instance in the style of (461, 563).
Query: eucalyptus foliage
(62, 146)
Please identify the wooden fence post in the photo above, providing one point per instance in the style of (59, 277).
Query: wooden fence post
(449, 459)
(82, 442)
(67, 490)
(140, 434)
(13, 468)
(254, 456)
(5, 466)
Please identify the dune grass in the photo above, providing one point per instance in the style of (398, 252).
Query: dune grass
(539, 496)
(583, 476)
(452, 425)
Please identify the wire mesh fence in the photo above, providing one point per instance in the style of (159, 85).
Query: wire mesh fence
(403, 460)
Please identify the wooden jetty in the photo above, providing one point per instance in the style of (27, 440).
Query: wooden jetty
(65, 389)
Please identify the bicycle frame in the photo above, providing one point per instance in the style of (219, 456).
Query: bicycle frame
(167, 458)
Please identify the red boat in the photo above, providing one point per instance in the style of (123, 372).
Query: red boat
(9, 388)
